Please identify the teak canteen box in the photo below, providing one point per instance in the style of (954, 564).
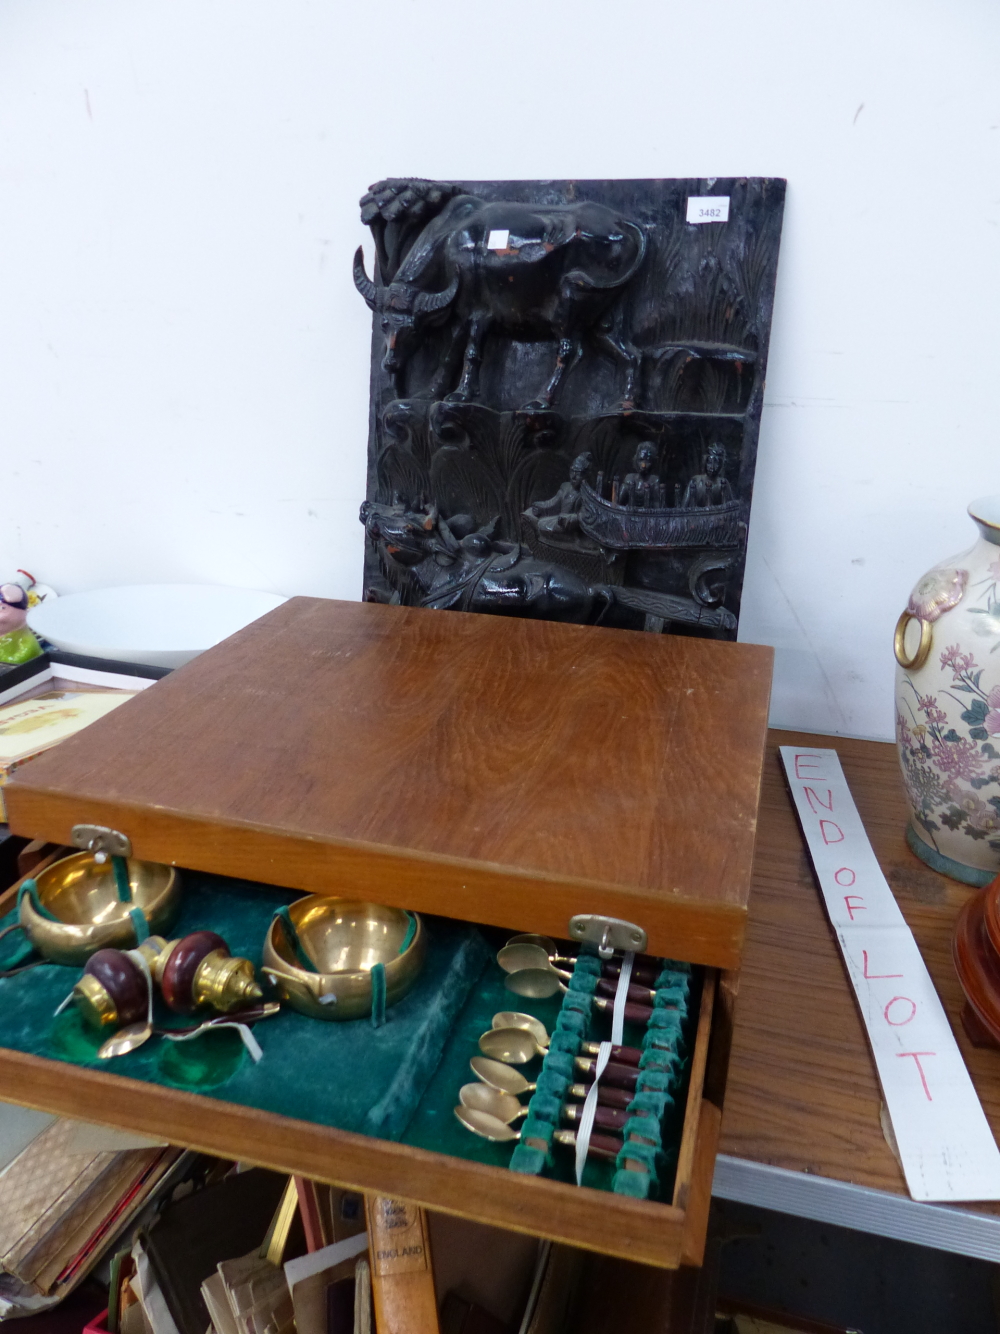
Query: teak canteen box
(573, 781)
(515, 772)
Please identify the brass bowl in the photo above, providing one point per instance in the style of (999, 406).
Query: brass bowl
(82, 895)
(343, 939)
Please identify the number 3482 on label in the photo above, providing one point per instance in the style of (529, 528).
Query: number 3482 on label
(708, 208)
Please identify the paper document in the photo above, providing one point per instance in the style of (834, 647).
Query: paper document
(945, 1142)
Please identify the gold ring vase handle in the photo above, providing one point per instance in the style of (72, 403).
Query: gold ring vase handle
(914, 663)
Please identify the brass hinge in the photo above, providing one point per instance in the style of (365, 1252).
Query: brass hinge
(101, 841)
(607, 934)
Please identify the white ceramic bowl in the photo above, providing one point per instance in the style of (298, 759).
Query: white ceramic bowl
(162, 625)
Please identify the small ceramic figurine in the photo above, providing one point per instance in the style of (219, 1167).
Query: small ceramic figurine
(947, 647)
(17, 643)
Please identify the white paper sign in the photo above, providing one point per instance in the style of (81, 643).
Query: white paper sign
(497, 239)
(708, 208)
(945, 1142)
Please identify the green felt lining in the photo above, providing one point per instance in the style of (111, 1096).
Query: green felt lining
(399, 1081)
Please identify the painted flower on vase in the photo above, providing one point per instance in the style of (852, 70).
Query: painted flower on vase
(948, 775)
(938, 591)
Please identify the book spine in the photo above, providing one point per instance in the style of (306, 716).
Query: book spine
(402, 1273)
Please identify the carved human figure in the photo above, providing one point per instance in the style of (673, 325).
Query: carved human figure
(642, 486)
(709, 487)
(560, 514)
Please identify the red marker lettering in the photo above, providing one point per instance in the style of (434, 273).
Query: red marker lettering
(815, 800)
(920, 1069)
(903, 1000)
(872, 976)
(807, 761)
(858, 904)
(845, 883)
(832, 833)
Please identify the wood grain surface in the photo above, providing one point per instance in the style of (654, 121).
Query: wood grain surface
(492, 768)
(802, 1091)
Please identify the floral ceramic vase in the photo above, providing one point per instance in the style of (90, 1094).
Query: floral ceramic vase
(948, 707)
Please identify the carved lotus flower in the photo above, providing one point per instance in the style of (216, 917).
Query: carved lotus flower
(938, 591)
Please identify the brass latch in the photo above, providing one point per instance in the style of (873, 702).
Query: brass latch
(607, 934)
(101, 841)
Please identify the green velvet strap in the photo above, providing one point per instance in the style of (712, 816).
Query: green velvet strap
(378, 995)
(411, 931)
(302, 958)
(122, 885)
(139, 924)
(30, 889)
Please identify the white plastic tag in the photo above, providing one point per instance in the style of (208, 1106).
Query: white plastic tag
(586, 1126)
(497, 239)
(708, 208)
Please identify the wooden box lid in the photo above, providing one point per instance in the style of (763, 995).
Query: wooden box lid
(500, 770)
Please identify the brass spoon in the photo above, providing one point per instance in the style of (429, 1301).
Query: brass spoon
(499, 1076)
(505, 1079)
(534, 952)
(125, 1040)
(534, 983)
(515, 1046)
(514, 1019)
(481, 1098)
(250, 1016)
(134, 1035)
(490, 1127)
(543, 943)
(513, 958)
(539, 983)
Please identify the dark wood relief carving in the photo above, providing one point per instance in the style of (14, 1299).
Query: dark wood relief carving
(567, 380)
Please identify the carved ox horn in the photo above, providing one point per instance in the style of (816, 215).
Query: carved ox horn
(428, 302)
(362, 282)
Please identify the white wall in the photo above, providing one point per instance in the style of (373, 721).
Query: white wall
(184, 359)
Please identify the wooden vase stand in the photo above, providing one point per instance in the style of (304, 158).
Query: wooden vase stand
(976, 951)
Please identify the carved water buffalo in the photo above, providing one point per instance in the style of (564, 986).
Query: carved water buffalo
(538, 273)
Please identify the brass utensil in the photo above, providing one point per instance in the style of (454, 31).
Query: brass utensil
(489, 1127)
(505, 1107)
(343, 939)
(87, 913)
(515, 1046)
(539, 983)
(514, 1019)
(482, 1098)
(535, 983)
(513, 958)
(500, 1076)
(543, 942)
(125, 1040)
(505, 1079)
(643, 973)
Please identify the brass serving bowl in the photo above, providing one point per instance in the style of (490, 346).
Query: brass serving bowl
(82, 896)
(343, 939)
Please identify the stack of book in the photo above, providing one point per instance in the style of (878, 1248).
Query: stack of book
(63, 1205)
